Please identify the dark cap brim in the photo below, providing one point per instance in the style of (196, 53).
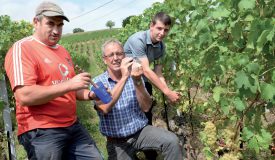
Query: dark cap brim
(55, 14)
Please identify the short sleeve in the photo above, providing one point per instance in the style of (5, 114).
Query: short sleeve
(135, 46)
(20, 66)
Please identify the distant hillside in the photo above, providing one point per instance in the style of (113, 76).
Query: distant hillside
(91, 35)
(88, 44)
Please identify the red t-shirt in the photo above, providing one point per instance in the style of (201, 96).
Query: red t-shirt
(30, 62)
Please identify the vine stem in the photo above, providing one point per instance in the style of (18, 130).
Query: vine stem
(267, 71)
(239, 124)
(191, 101)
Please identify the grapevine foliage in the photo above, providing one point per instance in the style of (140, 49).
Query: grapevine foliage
(226, 50)
(10, 32)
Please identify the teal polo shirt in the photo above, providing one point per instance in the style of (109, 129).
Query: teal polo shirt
(140, 45)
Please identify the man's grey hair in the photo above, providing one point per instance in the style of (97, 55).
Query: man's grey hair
(106, 43)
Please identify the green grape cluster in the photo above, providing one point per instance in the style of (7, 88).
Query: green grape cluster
(183, 105)
(229, 156)
(211, 133)
(228, 136)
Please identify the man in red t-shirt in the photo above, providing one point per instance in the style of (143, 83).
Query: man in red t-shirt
(45, 87)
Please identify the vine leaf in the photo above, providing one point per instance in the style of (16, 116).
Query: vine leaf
(217, 91)
(253, 68)
(270, 36)
(268, 91)
(236, 30)
(242, 80)
(257, 141)
(253, 144)
(239, 104)
(247, 133)
(264, 139)
(220, 12)
(273, 76)
(262, 40)
(225, 106)
(246, 4)
(254, 33)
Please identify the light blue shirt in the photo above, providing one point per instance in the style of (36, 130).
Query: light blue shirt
(126, 117)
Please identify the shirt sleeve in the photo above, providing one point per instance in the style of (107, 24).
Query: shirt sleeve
(20, 66)
(135, 47)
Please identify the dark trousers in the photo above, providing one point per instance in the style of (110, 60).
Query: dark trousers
(150, 154)
(67, 143)
(148, 138)
(149, 114)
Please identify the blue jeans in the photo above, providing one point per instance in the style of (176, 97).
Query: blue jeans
(149, 138)
(68, 143)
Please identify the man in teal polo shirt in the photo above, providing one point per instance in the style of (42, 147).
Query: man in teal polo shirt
(148, 47)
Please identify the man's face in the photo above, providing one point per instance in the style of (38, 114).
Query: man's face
(113, 56)
(158, 31)
(49, 29)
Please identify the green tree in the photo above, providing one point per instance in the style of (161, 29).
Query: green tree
(10, 32)
(126, 21)
(76, 30)
(110, 24)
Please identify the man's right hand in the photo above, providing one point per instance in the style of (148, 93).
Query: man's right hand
(80, 81)
(125, 66)
(173, 96)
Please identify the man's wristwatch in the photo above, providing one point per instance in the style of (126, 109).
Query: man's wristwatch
(91, 95)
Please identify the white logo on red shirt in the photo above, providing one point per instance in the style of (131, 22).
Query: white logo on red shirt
(64, 71)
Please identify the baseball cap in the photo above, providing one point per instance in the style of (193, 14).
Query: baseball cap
(50, 9)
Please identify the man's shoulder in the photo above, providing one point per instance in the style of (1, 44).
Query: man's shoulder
(23, 42)
(138, 35)
(137, 39)
(19, 45)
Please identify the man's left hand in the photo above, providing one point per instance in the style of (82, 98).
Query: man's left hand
(136, 71)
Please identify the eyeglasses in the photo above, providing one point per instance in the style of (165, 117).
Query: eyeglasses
(118, 54)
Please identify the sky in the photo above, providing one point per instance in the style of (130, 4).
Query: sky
(86, 14)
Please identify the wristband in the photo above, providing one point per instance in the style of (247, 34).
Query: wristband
(89, 95)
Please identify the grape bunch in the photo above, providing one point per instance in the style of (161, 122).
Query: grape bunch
(229, 156)
(211, 133)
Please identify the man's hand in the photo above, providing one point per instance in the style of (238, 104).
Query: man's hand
(173, 96)
(125, 66)
(136, 71)
(80, 81)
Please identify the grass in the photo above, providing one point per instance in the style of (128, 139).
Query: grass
(88, 36)
(88, 117)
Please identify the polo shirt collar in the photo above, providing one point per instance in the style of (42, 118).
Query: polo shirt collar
(107, 76)
(149, 41)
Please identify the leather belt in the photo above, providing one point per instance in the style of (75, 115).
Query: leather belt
(120, 140)
(117, 140)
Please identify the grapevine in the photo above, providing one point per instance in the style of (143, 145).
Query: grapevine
(224, 55)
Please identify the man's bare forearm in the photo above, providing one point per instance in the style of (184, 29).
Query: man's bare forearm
(143, 97)
(152, 76)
